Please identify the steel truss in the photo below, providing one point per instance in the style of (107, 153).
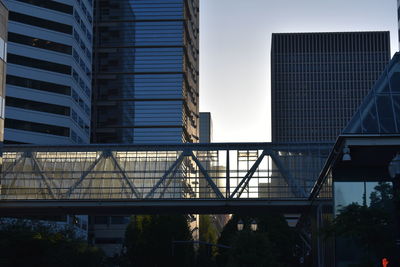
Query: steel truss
(155, 172)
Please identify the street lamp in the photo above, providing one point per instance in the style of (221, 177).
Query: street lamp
(253, 225)
(240, 225)
(394, 171)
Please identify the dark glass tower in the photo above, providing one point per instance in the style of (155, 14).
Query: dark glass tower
(146, 71)
(318, 80)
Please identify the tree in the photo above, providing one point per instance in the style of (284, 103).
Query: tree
(252, 250)
(149, 241)
(208, 234)
(369, 228)
(29, 243)
(274, 242)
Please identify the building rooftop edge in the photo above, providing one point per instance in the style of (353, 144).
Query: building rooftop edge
(335, 32)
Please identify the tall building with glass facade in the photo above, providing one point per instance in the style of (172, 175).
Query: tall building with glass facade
(318, 80)
(146, 68)
(3, 56)
(49, 75)
(146, 71)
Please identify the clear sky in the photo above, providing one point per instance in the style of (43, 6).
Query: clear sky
(235, 43)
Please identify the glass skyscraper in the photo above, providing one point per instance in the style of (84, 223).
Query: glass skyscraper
(146, 71)
(49, 75)
(318, 80)
(3, 56)
(146, 68)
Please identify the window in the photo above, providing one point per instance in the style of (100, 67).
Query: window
(39, 43)
(53, 5)
(38, 85)
(36, 127)
(39, 64)
(38, 22)
(37, 106)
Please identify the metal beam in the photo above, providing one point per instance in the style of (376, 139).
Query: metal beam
(169, 180)
(228, 180)
(171, 147)
(208, 178)
(149, 206)
(246, 179)
(127, 180)
(23, 155)
(162, 179)
(83, 176)
(44, 177)
(292, 183)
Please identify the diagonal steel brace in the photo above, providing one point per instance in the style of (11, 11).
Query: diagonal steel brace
(246, 179)
(208, 178)
(164, 177)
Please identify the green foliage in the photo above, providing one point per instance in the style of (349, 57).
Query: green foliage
(252, 250)
(26, 243)
(370, 229)
(149, 241)
(272, 245)
(209, 234)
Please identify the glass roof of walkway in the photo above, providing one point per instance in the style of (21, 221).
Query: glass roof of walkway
(380, 111)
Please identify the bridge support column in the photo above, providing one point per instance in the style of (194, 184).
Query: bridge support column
(323, 250)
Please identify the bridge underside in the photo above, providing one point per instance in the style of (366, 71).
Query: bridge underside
(120, 207)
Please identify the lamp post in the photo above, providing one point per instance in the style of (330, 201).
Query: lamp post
(240, 225)
(253, 225)
(394, 171)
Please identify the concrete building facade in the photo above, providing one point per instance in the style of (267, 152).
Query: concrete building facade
(49, 72)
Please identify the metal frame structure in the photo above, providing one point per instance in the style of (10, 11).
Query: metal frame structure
(160, 173)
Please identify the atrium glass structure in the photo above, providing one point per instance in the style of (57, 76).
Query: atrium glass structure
(49, 73)
(357, 169)
(320, 79)
(146, 71)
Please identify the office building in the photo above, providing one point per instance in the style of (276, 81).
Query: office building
(3, 55)
(49, 71)
(146, 69)
(205, 133)
(48, 82)
(319, 79)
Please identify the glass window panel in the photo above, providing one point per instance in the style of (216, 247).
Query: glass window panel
(386, 116)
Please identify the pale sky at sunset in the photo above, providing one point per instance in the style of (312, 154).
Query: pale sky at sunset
(235, 42)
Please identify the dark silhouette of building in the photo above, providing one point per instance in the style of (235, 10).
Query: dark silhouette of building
(318, 81)
(205, 133)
